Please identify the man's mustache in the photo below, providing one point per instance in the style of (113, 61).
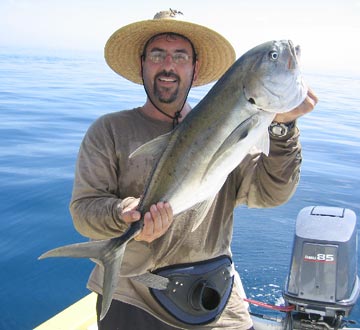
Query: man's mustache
(167, 74)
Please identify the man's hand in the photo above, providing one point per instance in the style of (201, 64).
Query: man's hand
(307, 106)
(156, 222)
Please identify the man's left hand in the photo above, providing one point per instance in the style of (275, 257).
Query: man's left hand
(307, 106)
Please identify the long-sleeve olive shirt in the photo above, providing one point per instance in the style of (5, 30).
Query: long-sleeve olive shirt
(105, 176)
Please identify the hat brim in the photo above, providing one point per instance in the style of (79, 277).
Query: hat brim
(124, 48)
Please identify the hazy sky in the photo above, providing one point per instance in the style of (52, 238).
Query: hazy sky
(327, 30)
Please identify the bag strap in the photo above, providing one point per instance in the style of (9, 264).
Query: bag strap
(153, 281)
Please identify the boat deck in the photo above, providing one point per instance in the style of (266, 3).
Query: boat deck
(79, 316)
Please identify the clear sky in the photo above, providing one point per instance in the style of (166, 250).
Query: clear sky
(327, 30)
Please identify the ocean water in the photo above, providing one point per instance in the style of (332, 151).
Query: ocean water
(48, 101)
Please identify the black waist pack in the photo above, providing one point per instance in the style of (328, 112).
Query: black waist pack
(197, 293)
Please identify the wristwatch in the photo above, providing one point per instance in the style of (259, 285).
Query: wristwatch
(280, 129)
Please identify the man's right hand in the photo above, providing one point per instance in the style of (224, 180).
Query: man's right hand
(156, 222)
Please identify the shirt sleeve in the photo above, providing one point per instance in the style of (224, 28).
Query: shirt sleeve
(268, 181)
(95, 205)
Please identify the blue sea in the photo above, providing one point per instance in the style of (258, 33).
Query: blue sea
(47, 102)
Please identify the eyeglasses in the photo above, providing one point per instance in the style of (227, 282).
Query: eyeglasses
(158, 57)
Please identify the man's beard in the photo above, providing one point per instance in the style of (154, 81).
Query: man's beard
(163, 94)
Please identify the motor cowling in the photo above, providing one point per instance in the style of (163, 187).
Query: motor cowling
(323, 276)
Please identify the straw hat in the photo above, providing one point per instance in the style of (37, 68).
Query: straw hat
(124, 48)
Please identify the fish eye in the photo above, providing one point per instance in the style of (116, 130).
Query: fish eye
(273, 55)
(251, 100)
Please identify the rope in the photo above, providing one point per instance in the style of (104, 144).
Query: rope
(284, 309)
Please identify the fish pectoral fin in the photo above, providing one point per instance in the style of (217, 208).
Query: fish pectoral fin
(153, 148)
(251, 134)
(228, 148)
(238, 134)
(111, 271)
(93, 249)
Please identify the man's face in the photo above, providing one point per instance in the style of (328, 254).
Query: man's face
(168, 69)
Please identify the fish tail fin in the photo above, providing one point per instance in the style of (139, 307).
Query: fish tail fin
(111, 270)
(103, 251)
(109, 253)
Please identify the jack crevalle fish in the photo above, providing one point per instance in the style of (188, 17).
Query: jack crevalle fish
(194, 160)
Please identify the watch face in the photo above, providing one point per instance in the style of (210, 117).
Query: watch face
(278, 129)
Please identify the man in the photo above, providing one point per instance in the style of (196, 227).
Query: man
(168, 57)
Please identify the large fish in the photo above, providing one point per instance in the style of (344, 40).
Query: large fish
(194, 160)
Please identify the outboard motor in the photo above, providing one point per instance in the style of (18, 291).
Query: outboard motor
(323, 284)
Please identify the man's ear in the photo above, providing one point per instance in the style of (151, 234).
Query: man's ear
(142, 60)
(197, 69)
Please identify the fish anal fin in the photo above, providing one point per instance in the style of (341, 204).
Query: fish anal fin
(201, 210)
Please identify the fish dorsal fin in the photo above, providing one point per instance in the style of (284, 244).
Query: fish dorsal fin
(152, 148)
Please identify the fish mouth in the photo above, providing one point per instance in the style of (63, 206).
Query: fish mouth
(295, 52)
